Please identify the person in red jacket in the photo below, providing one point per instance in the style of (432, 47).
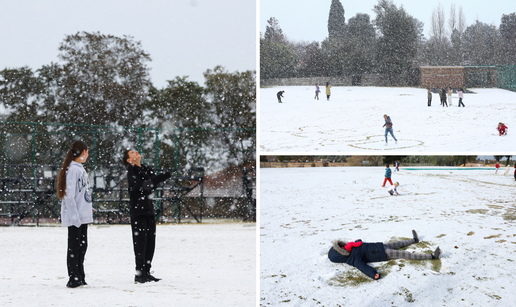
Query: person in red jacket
(497, 167)
(502, 129)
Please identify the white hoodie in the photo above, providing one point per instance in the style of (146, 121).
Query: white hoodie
(76, 207)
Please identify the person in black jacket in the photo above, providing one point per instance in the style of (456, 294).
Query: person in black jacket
(142, 182)
(279, 95)
(358, 254)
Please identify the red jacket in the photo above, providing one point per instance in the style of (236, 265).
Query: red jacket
(350, 245)
(502, 129)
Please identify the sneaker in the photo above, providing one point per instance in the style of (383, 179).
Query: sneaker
(140, 279)
(416, 237)
(386, 143)
(74, 284)
(152, 278)
(437, 253)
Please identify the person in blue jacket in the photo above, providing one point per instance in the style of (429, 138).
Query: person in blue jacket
(358, 253)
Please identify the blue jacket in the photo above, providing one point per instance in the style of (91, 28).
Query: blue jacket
(359, 256)
(388, 173)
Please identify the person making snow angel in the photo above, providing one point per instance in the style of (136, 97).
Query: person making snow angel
(142, 181)
(359, 253)
(388, 128)
(279, 95)
(73, 189)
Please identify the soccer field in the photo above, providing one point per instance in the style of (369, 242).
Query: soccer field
(469, 214)
(353, 118)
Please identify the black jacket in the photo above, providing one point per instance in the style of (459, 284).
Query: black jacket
(359, 256)
(142, 182)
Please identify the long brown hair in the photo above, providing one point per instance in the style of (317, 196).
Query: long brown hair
(73, 152)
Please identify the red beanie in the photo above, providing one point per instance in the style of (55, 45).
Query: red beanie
(350, 245)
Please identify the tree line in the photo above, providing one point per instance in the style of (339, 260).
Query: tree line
(391, 44)
(104, 80)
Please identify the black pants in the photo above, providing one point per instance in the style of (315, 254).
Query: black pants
(144, 242)
(460, 102)
(77, 245)
(429, 101)
(279, 99)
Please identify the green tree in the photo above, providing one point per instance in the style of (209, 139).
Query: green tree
(277, 60)
(182, 110)
(336, 21)
(273, 32)
(232, 98)
(508, 38)
(398, 41)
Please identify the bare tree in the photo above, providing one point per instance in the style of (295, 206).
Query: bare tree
(461, 21)
(437, 29)
(452, 20)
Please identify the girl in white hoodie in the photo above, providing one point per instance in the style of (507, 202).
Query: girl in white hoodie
(76, 210)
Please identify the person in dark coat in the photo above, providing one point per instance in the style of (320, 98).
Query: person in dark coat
(358, 253)
(279, 95)
(442, 94)
(429, 97)
(142, 181)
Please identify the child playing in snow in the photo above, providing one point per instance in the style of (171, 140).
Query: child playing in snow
(358, 254)
(501, 129)
(317, 91)
(497, 166)
(393, 190)
(388, 173)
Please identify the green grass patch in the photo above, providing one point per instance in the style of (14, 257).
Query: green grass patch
(471, 233)
(442, 235)
(510, 214)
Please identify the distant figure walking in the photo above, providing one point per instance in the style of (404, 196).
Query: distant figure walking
(450, 92)
(317, 91)
(328, 90)
(497, 166)
(442, 94)
(461, 96)
(388, 128)
(429, 97)
(279, 95)
(502, 129)
(514, 171)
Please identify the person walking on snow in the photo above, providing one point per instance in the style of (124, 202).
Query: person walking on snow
(279, 95)
(388, 128)
(497, 167)
(328, 90)
(514, 171)
(317, 91)
(502, 129)
(396, 166)
(461, 96)
(388, 174)
(429, 97)
(358, 253)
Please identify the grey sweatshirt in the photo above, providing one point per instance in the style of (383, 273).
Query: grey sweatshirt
(76, 207)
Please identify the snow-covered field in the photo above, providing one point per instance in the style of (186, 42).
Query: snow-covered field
(470, 214)
(201, 265)
(353, 118)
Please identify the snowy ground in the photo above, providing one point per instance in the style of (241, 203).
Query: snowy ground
(353, 118)
(201, 265)
(470, 214)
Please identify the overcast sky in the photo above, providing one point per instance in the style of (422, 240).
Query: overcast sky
(183, 37)
(307, 20)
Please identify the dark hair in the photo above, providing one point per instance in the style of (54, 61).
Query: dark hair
(126, 156)
(387, 165)
(73, 152)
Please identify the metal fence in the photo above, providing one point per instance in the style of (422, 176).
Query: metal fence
(506, 77)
